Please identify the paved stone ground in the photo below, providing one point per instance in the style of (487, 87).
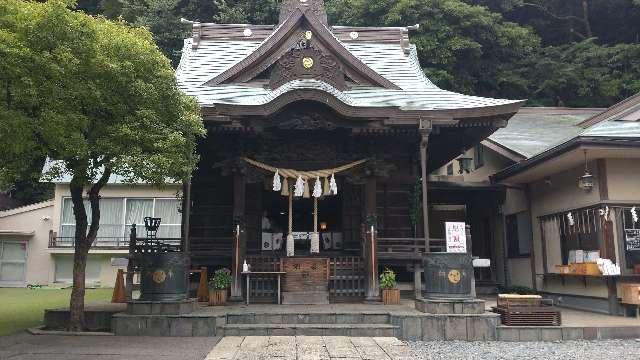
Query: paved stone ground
(310, 348)
(566, 350)
(25, 346)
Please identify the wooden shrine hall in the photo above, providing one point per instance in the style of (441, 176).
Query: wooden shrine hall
(320, 141)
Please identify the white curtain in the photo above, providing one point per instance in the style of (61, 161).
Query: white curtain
(137, 210)
(167, 210)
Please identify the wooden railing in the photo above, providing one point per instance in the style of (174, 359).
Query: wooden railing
(406, 247)
(346, 278)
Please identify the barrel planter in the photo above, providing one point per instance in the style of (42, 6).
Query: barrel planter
(391, 296)
(163, 276)
(448, 275)
(217, 297)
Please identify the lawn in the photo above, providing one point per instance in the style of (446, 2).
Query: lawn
(21, 308)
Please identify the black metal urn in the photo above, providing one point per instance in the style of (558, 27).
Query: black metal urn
(164, 276)
(448, 275)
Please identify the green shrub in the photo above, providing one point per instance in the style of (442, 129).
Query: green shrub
(221, 279)
(388, 279)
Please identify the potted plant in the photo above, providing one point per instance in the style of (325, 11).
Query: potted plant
(218, 287)
(390, 293)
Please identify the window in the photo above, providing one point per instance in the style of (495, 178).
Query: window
(518, 228)
(450, 169)
(118, 214)
(478, 156)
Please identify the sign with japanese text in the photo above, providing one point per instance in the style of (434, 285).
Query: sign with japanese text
(456, 237)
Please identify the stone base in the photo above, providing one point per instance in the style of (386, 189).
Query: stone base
(97, 318)
(162, 308)
(305, 298)
(450, 306)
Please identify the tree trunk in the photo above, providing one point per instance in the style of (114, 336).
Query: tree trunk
(83, 240)
(76, 304)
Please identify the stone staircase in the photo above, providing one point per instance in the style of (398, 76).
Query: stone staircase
(310, 324)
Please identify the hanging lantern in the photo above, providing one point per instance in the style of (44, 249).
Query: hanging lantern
(298, 189)
(587, 181)
(277, 185)
(317, 188)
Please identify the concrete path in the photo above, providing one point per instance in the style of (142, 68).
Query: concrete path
(309, 348)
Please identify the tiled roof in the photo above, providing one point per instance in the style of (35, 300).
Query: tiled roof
(399, 65)
(534, 130)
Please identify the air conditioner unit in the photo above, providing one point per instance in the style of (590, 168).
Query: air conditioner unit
(327, 241)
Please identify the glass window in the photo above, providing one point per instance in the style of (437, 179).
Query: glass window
(137, 210)
(478, 157)
(167, 210)
(518, 234)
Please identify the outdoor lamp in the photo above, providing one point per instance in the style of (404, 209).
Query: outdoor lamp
(587, 181)
(323, 226)
(465, 164)
(151, 223)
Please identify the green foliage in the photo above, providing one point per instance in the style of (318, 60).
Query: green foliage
(221, 279)
(581, 75)
(461, 47)
(91, 93)
(388, 279)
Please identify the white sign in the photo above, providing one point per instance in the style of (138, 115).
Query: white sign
(456, 237)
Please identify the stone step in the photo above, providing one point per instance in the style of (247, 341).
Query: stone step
(308, 318)
(365, 330)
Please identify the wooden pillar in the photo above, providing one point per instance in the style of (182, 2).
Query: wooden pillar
(130, 263)
(417, 279)
(425, 130)
(372, 291)
(424, 127)
(239, 247)
(186, 216)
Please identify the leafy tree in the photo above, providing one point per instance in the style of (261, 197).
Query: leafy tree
(462, 47)
(581, 75)
(99, 97)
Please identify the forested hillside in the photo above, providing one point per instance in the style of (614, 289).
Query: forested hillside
(552, 52)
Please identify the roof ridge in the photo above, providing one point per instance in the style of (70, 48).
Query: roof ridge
(613, 110)
(26, 208)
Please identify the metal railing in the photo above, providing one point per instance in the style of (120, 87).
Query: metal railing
(111, 243)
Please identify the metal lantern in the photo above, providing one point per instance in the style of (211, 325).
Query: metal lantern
(464, 164)
(151, 224)
(586, 182)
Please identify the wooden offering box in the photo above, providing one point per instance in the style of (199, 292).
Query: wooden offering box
(631, 294)
(306, 280)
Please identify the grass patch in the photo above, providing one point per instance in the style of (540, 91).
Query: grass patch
(21, 308)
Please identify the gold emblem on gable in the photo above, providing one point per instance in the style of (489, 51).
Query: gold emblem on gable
(159, 276)
(308, 34)
(307, 62)
(454, 276)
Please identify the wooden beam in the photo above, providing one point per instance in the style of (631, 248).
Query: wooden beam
(186, 216)
(372, 291)
(425, 130)
(239, 235)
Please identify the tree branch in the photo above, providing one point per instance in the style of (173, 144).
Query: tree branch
(94, 200)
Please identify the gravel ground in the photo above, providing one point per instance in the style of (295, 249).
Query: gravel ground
(606, 349)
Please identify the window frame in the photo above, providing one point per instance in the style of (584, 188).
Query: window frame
(513, 247)
(478, 156)
(123, 221)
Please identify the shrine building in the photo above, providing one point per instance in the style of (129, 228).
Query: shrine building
(319, 144)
